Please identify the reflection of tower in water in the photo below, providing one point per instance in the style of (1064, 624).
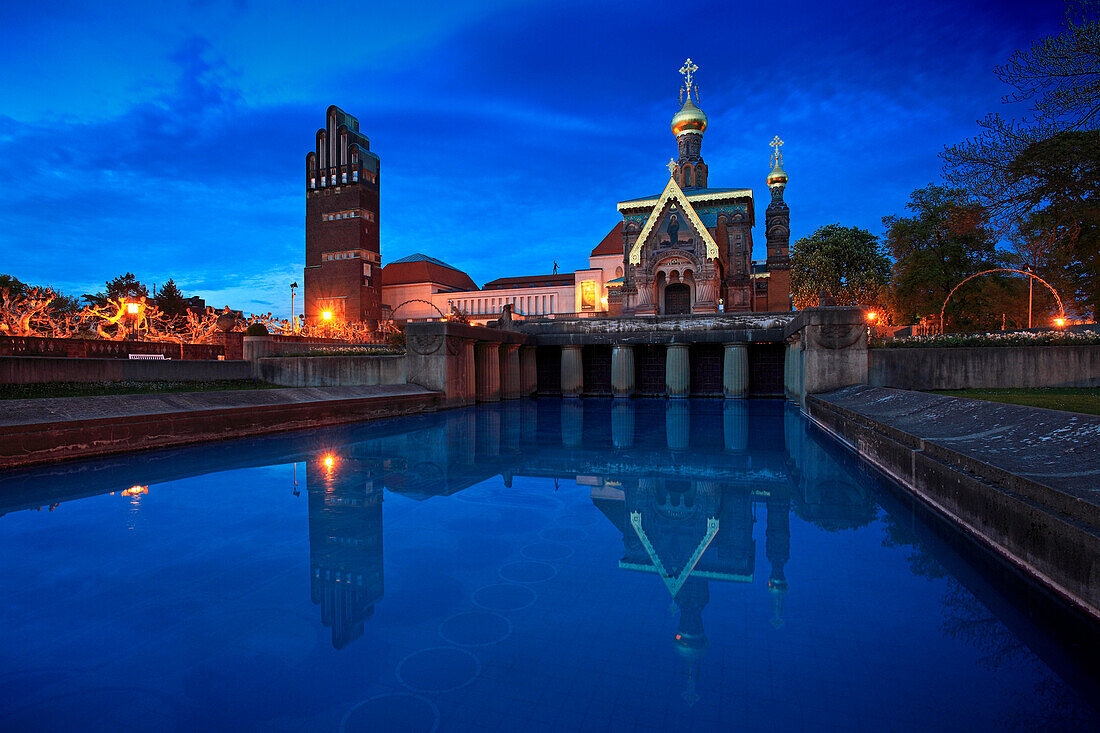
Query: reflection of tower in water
(345, 544)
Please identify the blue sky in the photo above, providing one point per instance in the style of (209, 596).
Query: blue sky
(169, 139)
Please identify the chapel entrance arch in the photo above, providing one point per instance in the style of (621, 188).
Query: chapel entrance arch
(677, 299)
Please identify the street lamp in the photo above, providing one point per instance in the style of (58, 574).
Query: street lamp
(293, 288)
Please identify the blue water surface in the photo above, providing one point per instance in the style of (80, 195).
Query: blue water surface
(558, 565)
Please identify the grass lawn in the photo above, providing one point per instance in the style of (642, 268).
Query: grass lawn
(92, 389)
(1072, 399)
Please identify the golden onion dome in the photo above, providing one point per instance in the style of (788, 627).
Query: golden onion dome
(689, 119)
(778, 176)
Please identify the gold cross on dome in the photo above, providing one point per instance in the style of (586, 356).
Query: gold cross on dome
(777, 153)
(688, 70)
(671, 166)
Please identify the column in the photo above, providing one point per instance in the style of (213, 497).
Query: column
(572, 373)
(529, 375)
(487, 357)
(735, 371)
(509, 372)
(622, 370)
(677, 371)
(469, 372)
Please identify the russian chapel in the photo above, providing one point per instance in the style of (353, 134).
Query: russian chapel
(689, 249)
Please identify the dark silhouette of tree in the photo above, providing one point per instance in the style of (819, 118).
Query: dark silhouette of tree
(1045, 165)
(123, 286)
(170, 300)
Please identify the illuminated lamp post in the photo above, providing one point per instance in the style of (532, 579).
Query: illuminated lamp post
(293, 289)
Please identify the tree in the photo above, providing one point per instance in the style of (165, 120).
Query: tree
(13, 285)
(1042, 172)
(845, 262)
(947, 239)
(170, 300)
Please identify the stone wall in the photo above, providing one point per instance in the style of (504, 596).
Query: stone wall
(988, 367)
(37, 369)
(103, 349)
(331, 371)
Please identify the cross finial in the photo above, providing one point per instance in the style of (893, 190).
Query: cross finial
(688, 70)
(777, 153)
(671, 166)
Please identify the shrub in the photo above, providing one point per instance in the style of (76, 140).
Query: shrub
(256, 329)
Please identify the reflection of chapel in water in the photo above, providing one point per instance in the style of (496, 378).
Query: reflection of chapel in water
(683, 481)
(689, 533)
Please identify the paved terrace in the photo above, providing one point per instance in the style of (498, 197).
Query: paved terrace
(1022, 480)
(43, 430)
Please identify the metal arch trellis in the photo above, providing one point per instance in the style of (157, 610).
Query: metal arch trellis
(416, 300)
(1061, 308)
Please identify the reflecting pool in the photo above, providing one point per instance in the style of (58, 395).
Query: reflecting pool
(536, 565)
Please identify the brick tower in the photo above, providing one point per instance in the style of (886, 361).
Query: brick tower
(343, 274)
(777, 229)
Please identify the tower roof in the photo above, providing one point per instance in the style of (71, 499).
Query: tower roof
(690, 118)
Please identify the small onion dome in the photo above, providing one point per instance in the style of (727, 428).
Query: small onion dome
(778, 176)
(689, 119)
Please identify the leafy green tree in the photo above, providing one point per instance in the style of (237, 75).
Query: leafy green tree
(947, 239)
(847, 263)
(170, 300)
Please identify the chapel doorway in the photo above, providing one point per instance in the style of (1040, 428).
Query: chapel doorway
(677, 299)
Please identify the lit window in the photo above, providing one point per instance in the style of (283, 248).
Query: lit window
(344, 177)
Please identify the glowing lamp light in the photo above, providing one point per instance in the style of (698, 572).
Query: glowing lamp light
(132, 308)
(872, 316)
(326, 316)
(1059, 322)
(135, 491)
(328, 461)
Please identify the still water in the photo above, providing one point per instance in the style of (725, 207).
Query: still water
(537, 565)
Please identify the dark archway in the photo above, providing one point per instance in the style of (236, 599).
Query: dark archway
(677, 299)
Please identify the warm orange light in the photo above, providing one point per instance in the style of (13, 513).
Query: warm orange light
(329, 461)
(135, 490)
(132, 308)
(872, 316)
(326, 315)
(1059, 322)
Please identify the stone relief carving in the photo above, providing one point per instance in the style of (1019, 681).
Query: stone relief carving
(425, 344)
(837, 336)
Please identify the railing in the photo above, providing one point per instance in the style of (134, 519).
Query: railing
(101, 349)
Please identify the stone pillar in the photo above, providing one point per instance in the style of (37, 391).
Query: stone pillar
(572, 372)
(788, 370)
(487, 357)
(735, 371)
(469, 373)
(510, 386)
(677, 371)
(622, 370)
(622, 424)
(832, 349)
(529, 375)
